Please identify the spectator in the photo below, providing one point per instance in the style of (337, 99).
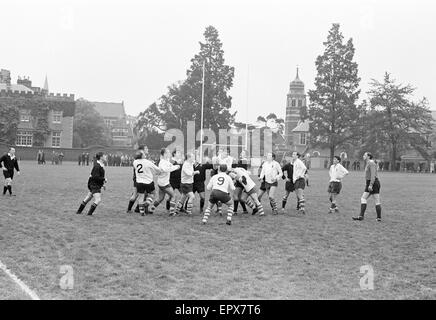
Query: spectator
(87, 158)
(83, 158)
(61, 157)
(80, 159)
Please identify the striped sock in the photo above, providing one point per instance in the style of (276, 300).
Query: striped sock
(206, 214)
(273, 203)
(201, 204)
(260, 209)
(229, 213)
(172, 207)
(142, 208)
(168, 205)
(302, 202)
(189, 206)
(250, 203)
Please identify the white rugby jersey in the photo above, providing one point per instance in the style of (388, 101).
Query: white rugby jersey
(166, 167)
(243, 176)
(187, 173)
(272, 171)
(337, 172)
(144, 170)
(222, 182)
(299, 170)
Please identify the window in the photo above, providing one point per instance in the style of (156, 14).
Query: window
(303, 138)
(300, 102)
(120, 133)
(107, 122)
(24, 138)
(56, 139)
(293, 104)
(24, 116)
(57, 116)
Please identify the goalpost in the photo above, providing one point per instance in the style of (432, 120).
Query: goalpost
(202, 119)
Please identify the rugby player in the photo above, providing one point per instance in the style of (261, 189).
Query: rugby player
(272, 172)
(221, 185)
(96, 182)
(10, 163)
(372, 187)
(299, 180)
(337, 173)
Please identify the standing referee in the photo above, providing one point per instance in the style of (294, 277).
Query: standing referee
(9, 164)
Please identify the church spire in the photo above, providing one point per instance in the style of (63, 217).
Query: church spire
(297, 78)
(46, 84)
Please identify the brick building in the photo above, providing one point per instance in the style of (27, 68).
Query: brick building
(119, 124)
(45, 119)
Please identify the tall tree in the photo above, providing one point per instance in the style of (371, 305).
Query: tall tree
(9, 119)
(89, 127)
(333, 111)
(398, 122)
(182, 102)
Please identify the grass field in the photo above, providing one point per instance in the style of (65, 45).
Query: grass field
(115, 255)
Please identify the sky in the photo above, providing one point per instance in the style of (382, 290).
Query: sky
(132, 51)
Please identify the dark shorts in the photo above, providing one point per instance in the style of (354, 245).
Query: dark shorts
(144, 187)
(185, 188)
(239, 185)
(300, 184)
(134, 184)
(175, 185)
(198, 187)
(269, 185)
(375, 187)
(263, 186)
(163, 188)
(8, 174)
(94, 188)
(334, 187)
(289, 186)
(219, 196)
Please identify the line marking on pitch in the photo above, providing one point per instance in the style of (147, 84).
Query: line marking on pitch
(19, 282)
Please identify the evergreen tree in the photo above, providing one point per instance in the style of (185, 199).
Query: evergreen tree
(333, 111)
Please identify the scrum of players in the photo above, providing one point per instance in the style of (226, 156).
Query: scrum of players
(179, 178)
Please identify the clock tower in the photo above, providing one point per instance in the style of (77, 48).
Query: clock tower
(296, 100)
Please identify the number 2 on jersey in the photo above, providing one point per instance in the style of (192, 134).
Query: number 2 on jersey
(139, 168)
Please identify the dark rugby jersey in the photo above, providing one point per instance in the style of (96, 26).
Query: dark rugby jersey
(289, 169)
(242, 163)
(9, 163)
(201, 178)
(97, 175)
(176, 175)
